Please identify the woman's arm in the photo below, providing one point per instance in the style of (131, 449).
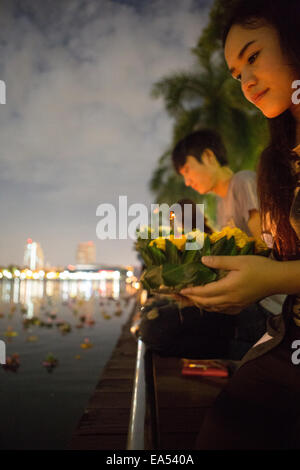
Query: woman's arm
(250, 278)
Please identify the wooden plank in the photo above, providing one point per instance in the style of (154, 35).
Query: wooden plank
(118, 373)
(177, 399)
(123, 364)
(119, 355)
(124, 385)
(99, 442)
(183, 391)
(182, 420)
(104, 424)
(179, 441)
(182, 402)
(104, 421)
(110, 399)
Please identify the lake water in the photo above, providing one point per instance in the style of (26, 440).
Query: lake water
(79, 323)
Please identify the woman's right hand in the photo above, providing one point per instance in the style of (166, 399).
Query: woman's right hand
(183, 301)
(250, 278)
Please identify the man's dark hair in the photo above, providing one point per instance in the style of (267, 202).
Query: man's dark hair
(194, 145)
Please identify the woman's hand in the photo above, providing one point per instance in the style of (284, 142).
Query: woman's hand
(183, 301)
(250, 278)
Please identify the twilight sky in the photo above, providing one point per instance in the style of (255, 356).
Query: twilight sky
(79, 127)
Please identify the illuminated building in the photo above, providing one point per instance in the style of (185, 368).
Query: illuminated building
(86, 253)
(33, 256)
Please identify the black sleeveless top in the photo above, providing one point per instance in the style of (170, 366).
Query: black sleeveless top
(277, 324)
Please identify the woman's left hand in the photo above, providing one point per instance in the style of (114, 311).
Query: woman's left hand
(250, 278)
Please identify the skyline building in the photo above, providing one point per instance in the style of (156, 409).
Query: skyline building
(33, 255)
(86, 253)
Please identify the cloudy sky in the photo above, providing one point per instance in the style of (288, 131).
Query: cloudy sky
(79, 127)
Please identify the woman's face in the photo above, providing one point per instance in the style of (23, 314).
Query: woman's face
(254, 57)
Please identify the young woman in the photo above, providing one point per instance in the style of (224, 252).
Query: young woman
(260, 408)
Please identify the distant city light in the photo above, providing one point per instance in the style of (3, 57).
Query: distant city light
(33, 255)
(7, 274)
(86, 253)
(51, 275)
(79, 274)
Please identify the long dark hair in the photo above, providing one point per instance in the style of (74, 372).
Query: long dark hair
(276, 182)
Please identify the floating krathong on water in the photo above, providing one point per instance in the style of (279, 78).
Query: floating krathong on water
(86, 344)
(50, 362)
(12, 363)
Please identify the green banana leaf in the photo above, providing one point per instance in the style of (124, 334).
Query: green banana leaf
(152, 277)
(248, 249)
(145, 284)
(146, 257)
(218, 247)
(157, 256)
(228, 247)
(190, 256)
(172, 253)
(187, 274)
(206, 249)
(235, 251)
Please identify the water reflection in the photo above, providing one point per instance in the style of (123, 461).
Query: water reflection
(59, 335)
(6, 291)
(16, 291)
(116, 288)
(32, 294)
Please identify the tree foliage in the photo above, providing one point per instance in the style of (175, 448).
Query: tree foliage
(207, 96)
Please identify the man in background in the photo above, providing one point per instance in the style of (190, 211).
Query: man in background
(201, 159)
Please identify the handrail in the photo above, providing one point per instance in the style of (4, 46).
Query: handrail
(135, 438)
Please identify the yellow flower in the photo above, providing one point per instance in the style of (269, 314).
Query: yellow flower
(241, 238)
(179, 242)
(260, 245)
(160, 242)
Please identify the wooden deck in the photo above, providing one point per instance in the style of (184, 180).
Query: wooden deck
(104, 424)
(182, 402)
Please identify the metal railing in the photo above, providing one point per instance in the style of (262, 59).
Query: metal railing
(136, 439)
(144, 411)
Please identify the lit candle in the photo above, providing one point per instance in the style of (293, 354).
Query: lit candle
(172, 220)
